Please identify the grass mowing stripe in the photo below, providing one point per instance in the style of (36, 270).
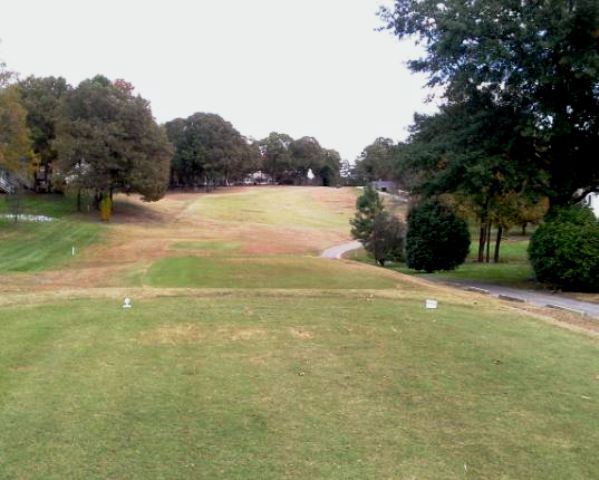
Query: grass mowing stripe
(32, 247)
(255, 388)
(262, 272)
(52, 205)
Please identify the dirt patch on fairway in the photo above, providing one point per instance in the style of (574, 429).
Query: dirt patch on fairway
(301, 333)
(245, 333)
(262, 359)
(189, 334)
(22, 369)
(173, 335)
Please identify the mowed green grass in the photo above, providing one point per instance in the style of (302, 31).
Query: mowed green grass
(513, 270)
(37, 246)
(52, 205)
(262, 272)
(277, 206)
(271, 387)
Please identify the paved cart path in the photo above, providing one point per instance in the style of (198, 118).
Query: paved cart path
(338, 251)
(533, 297)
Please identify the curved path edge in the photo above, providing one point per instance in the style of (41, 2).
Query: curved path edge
(532, 297)
(337, 251)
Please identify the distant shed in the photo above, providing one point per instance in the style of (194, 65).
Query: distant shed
(385, 186)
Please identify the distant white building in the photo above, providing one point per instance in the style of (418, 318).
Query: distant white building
(592, 200)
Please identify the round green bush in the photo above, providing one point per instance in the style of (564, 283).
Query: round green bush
(437, 239)
(564, 251)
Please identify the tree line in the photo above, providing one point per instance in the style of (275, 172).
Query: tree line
(100, 138)
(209, 151)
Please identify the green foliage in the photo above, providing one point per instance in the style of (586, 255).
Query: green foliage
(208, 151)
(473, 151)
(38, 246)
(537, 62)
(376, 162)
(381, 234)
(564, 251)
(108, 141)
(288, 161)
(386, 243)
(436, 239)
(307, 154)
(276, 155)
(368, 206)
(41, 98)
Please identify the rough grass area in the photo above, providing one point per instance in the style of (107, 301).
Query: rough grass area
(300, 207)
(512, 270)
(33, 246)
(278, 387)
(262, 272)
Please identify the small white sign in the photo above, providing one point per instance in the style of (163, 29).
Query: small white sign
(127, 303)
(431, 303)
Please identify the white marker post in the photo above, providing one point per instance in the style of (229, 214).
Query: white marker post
(431, 304)
(73, 250)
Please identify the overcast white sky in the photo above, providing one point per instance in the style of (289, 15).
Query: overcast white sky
(302, 67)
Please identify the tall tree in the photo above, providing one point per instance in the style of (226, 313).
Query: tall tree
(276, 155)
(42, 98)
(108, 141)
(289, 161)
(306, 154)
(329, 170)
(381, 233)
(376, 162)
(538, 58)
(208, 151)
(368, 206)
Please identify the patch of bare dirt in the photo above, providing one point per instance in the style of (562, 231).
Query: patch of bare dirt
(188, 334)
(242, 334)
(173, 335)
(261, 360)
(301, 332)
